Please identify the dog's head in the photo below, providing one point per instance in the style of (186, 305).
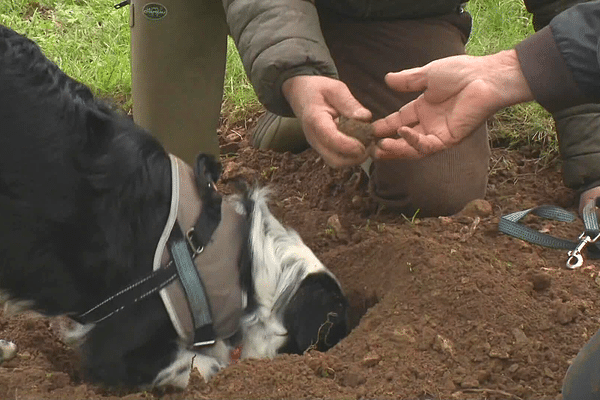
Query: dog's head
(316, 315)
(295, 302)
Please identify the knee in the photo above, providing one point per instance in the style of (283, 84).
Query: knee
(429, 192)
(440, 184)
(430, 200)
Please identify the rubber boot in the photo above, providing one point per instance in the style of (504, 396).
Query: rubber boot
(578, 131)
(280, 134)
(582, 381)
(178, 55)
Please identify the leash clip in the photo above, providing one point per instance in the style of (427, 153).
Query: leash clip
(575, 258)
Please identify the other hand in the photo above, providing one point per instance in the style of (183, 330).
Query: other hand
(459, 94)
(318, 101)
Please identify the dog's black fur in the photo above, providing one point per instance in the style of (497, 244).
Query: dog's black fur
(84, 196)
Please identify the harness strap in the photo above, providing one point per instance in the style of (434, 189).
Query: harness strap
(178, 279)
(195, 292)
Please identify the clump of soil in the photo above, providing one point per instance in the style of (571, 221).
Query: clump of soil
(360, 130)
(442, 308)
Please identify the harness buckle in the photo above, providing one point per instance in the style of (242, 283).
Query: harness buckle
(196, 248)
(575, 258)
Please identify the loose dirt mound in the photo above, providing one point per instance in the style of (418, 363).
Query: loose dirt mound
(441, 307)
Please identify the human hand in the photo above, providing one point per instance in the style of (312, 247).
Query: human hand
(317, 101)
(459, 94)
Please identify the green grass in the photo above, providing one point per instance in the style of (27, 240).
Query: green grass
(497, 25)
(239, 99)
(500, 25)
(89, 40)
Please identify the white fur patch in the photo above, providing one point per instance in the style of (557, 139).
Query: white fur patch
(208, 361)
(281, 261)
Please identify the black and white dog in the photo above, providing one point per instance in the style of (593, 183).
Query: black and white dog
(85, 199)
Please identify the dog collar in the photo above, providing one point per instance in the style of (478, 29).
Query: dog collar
(206, 300)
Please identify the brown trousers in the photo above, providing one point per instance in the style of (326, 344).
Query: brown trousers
(364, 51)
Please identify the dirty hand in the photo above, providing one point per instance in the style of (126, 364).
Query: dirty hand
(459, 94)
(318, 101)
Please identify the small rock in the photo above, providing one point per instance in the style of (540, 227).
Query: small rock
(443, 345)
(371, 359)
(334, 223)
(445, 220)
(404, 336)
(477, 208)
(357, 202)
(233, 137)
(469, 382)
(513, 368)
(499, 353)
(520, 338)
(8, 350)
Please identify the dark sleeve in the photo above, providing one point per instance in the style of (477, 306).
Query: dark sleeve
(544, 10)
(576, 32)
(278, 39)
(560, 62)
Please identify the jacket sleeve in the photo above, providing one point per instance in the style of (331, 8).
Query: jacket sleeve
(576, 32)
(544, 10)
(278, 39)
(560, 62)
(561, 66)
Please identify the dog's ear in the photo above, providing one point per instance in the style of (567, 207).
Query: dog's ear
(207, 170)
(316, 316)
(98, 125)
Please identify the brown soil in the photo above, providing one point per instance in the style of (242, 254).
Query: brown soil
(442, 307)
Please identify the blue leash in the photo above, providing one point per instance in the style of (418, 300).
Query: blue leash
(510, 225)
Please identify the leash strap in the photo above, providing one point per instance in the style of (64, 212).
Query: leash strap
(509, 225)
(194, 289)
(129, 295)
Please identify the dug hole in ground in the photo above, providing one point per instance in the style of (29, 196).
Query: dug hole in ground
(441, 308)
